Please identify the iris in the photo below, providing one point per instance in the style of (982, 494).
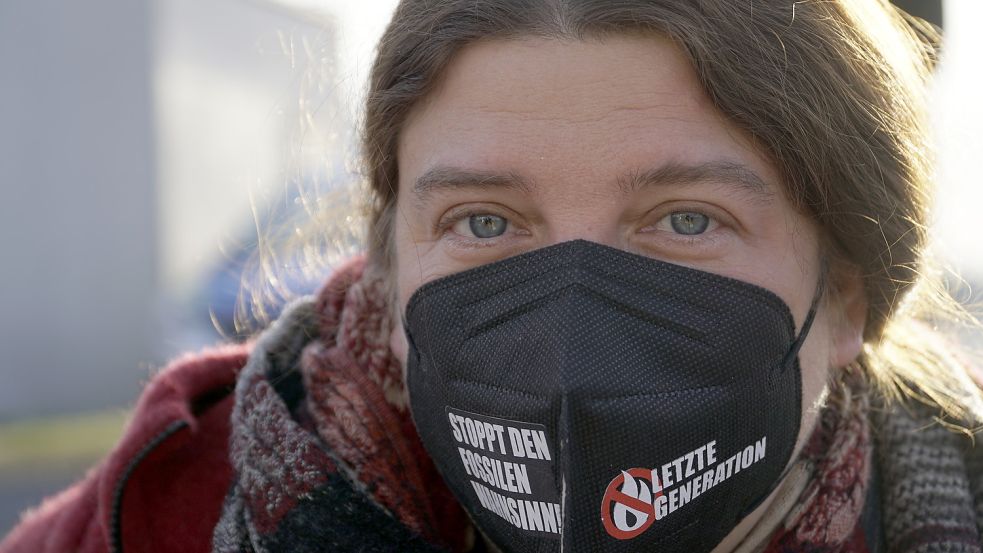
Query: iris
(487, 226)
(689, 222)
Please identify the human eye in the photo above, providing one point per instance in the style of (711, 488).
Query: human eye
(481, 225)
(688, 231)
(477, 226)
(687, 223)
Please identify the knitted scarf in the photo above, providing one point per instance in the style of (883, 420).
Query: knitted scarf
(326, 457)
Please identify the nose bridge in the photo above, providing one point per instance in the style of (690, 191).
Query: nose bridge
(576, 213)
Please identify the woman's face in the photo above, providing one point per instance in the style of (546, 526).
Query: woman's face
(527, 143)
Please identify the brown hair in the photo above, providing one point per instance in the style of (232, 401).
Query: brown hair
(832, 90)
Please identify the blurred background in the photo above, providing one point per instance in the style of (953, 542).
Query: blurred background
(145, 145)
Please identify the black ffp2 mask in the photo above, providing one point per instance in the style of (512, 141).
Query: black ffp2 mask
(584, 395)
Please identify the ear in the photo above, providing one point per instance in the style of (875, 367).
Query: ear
(847, 318)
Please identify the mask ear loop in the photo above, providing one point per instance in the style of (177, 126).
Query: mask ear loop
(789, 359)
(793, 352)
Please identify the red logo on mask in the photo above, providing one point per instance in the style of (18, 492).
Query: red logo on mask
(626, 509)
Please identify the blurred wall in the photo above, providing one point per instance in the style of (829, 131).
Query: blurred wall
(957, 121)
(78, 267)
(248, 104)
(226, 82)
(137, 140)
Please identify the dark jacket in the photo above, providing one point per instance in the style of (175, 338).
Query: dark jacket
(161, 489)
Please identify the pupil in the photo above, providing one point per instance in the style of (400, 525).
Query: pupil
(689, 223)
(487, 226)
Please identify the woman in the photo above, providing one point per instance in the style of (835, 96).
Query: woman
(641, 275)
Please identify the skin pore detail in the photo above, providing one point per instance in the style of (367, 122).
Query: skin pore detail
(526, 143)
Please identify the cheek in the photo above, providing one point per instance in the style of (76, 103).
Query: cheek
(406, 281)
(814, 361)
(417, 259)
(404, 249)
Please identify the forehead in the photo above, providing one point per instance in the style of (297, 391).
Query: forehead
(516, 74)
(548, 108)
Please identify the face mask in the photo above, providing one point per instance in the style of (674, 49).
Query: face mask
(582, 398)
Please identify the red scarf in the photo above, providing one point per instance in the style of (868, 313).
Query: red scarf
(355, 408)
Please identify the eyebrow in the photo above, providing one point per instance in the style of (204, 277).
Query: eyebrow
(714, 172)
(450, 178)
(672, 173)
